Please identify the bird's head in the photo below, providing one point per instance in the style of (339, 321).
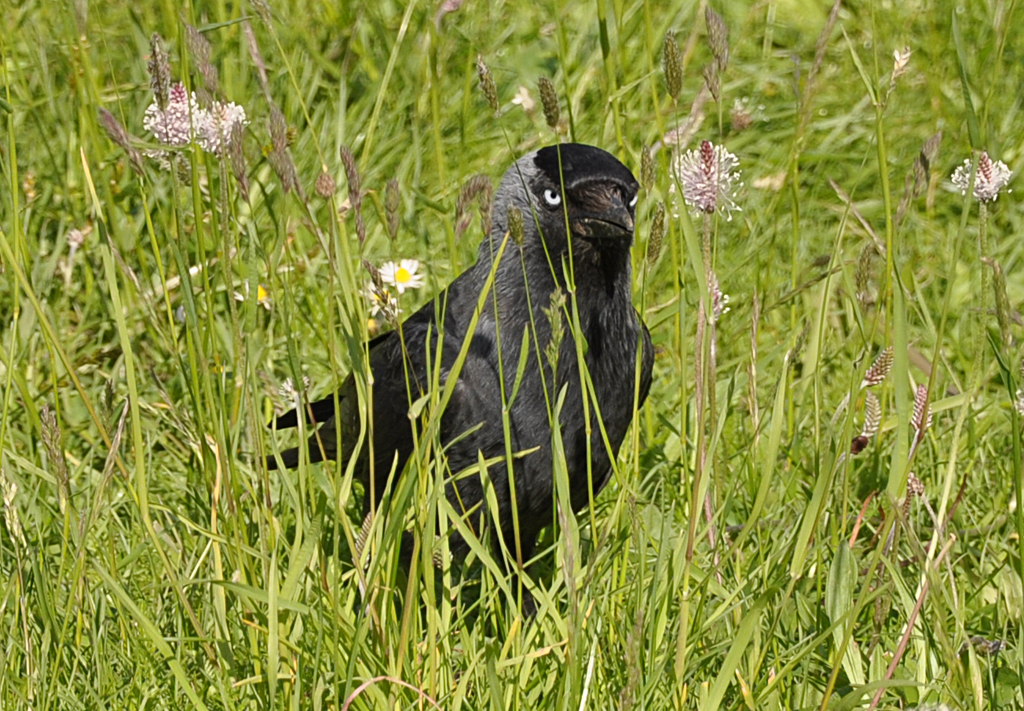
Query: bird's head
(571, 184)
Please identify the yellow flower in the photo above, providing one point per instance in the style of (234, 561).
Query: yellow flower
(262, 296)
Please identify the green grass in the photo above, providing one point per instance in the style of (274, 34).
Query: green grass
(148, 559)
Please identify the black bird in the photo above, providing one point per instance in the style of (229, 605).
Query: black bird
(574, 186)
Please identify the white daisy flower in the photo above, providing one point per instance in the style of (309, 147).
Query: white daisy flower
(402, 276)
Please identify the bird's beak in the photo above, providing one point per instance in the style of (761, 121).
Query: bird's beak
(614, 222)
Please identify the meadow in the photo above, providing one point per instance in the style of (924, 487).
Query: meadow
(818, 507)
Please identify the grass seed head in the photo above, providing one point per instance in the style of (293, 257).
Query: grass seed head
(549, 101)
(901, 60)
(930, 152)
(713, 81)
(647, 171)
(476, 188)
(199, 49)
(487, 85)
(355, 193)
(922, 418)
(718, 38)
(182, 168)
(1002, 300)
(872, 415)
(278, 156)
(257, 57)
(879, 369)
(120, 136)
(159, 71)
(553, 312)
(278, 129)
(237, 158)
(862, 276)
(325, 185)
(58, 464)
(915, 487)
(262, 8)
(672, 65)
(657, 237)
(515, 225)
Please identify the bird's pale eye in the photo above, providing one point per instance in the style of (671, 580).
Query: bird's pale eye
(552, 198)
(632, 203)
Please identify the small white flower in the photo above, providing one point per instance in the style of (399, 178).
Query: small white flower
(173, 126)
(989, 180)
(381, 301)
(901, 58)
(184, 120)
(289, 393)
(76, 238)
(402, 276)
(523, 98)
(719, 300)
(214, 133)
(708, 177)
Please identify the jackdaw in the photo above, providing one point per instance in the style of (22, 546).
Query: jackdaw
(577, 209)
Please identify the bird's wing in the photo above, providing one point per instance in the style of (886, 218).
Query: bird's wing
(646, 362)
(385, 352)
(403, 367)
(418, 340)
(322, 410)
(431, 340)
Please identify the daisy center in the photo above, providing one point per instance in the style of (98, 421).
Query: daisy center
(402, 275)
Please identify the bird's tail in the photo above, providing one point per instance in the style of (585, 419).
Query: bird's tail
(290, 457)
(317, 412)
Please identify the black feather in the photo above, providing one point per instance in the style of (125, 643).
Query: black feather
(317, 412)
